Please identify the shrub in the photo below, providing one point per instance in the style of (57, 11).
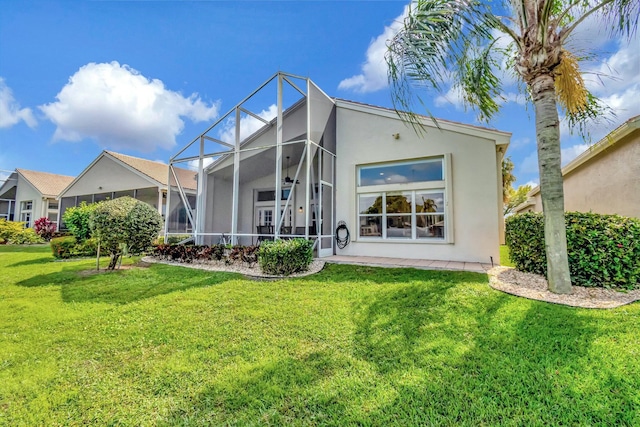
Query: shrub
(9, 230)
(44, 228)
(77, 218)
(284, 257)
(604, 250)
(63, 247)
(26, 237)
(14, 233)
(172, 240)
(125, 224)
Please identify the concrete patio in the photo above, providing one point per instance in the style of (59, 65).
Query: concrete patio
(423, 264)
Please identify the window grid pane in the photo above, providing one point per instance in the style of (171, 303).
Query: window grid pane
(401, 172)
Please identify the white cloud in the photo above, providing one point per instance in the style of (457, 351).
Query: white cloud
(248, 124)
(532, 182)
(374, 70)
(570, 153)
(193, 164)
(529, 165)
(520, 142)
(10, 111)
(122, 109)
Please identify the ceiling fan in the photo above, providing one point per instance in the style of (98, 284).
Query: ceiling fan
(287, 179)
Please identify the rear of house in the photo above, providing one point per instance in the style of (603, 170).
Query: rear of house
(302, 165)
(604, 179)
(29, 195)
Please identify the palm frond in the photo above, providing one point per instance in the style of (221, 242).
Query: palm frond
(433, 50)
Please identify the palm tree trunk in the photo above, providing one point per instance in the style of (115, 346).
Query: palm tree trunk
(551, 191)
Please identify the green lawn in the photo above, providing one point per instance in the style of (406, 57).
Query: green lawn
(348, 346)
(504, 256)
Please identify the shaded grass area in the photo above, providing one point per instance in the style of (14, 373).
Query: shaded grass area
(351, 345)
(505, 259)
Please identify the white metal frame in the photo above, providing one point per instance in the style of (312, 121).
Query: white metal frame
(313, 176)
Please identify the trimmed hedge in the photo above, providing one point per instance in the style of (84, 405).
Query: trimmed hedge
(68, 247)
(284, 257)
(604, 250)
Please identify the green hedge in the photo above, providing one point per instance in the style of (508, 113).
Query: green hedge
(284, 257)
(68, 247)
(604, 250)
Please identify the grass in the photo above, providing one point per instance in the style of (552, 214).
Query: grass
(349, 346)
(504, 256)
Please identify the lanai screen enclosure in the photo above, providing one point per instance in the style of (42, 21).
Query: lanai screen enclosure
(266, 168)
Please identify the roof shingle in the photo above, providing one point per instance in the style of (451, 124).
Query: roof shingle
(157, 171)
(49, 184)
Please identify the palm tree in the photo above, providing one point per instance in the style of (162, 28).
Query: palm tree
(454, 41)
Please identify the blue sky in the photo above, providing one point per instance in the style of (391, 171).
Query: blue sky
(145, 78)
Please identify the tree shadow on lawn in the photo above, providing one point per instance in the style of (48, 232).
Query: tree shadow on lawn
(125, 286)
(495, 360)
(275, 392)
(443, 352)
(36, 261)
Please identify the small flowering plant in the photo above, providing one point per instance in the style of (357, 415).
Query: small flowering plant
(44, 228)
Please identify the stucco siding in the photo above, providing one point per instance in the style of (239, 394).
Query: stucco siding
(106, 176)
(26, 192)
(365, 138)
(608, 183)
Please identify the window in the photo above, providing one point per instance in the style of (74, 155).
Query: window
(401, 172)
(270, 195)
(403, 201)
(25, 212)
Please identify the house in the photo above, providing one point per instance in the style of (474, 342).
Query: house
(291, 161)
(28, 195)
(113, 175)
(604, 179)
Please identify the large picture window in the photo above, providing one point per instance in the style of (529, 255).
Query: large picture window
(407, 201)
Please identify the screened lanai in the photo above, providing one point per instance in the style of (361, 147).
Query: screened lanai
(265, 169)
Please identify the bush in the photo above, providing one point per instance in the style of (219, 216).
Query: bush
(63, 247)
(9, 230)
(125, 224)
(68, 247)
(44, 228)
(77, 220)
(604, 250)
(284, 257)
(14, 233)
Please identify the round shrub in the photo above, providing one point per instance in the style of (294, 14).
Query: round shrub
(125, 224)
(604, 250)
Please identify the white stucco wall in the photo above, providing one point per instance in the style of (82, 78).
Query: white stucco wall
(25, 192)
(363, 138)
(109, 175)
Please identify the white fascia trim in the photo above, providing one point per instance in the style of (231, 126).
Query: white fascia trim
(607, 142)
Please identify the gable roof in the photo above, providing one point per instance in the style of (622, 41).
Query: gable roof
(157, 171)
(595, 150)
(48, 184)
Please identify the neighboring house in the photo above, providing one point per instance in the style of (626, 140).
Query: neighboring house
(604, 179)
(113, 175)
(28, 195)
(435, 195)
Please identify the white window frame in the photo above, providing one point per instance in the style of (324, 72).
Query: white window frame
(444, 186)
(24, 211)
